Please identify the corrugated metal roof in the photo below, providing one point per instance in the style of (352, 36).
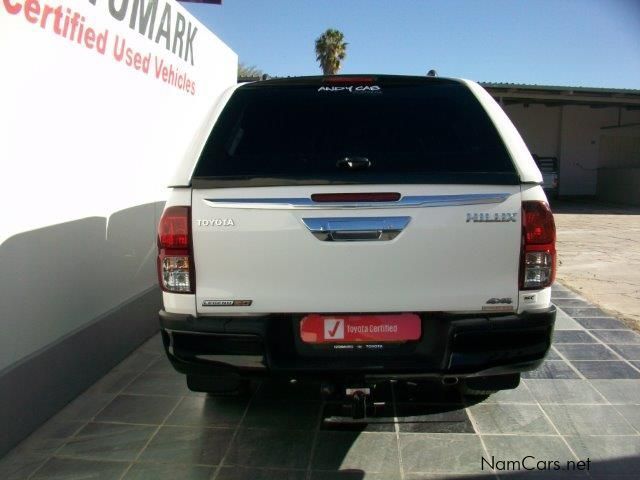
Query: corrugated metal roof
(560, 88)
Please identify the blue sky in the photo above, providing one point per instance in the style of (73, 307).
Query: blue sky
(559, 42)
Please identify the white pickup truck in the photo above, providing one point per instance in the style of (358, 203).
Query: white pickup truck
(357, 228)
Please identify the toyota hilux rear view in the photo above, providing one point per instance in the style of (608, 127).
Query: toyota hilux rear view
(360, 228)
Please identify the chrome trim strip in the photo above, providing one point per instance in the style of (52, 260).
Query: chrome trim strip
(356, 229)
(412, 201)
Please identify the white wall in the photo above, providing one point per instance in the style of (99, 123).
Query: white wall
(619, 164)
(573, 134)
(581, 128)
(87, 145)
(539, 126)
(620, 147)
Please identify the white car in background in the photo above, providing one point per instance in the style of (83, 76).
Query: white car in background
(549, 168)
(353, 229)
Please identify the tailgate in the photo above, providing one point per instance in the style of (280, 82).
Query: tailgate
(449, 248)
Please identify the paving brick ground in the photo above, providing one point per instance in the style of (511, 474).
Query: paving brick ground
(599, 252)
(141, 422)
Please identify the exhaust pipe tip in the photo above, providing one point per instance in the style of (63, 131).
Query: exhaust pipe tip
(449, 381)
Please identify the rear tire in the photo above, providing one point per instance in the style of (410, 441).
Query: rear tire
(485, 386)
(226, 386)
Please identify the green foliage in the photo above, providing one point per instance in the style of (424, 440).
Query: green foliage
(249, 71)
(331, 50)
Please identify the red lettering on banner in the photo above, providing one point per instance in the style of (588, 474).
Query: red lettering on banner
(101, 42)
(45, 15)
(70, 24)
(56, 26)
(89, 37)
(13, 9)
(32, 10)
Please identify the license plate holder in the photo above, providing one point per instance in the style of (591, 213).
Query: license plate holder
(318, 329)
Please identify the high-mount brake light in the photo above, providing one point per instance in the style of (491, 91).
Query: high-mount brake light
(538, 255)
(175, 255)
(341, 80)
(356, 197)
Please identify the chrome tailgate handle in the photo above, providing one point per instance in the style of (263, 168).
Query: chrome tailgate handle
(354, 236)
(356, 229)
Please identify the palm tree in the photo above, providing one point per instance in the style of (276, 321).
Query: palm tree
(331, 49)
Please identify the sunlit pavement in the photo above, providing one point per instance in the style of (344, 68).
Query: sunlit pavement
(141, 422)
(599, 254)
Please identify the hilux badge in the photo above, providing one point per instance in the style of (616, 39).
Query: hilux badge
(490, 218)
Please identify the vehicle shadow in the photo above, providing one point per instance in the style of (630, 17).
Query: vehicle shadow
(424, 407)
(292, 426)
(414, 426)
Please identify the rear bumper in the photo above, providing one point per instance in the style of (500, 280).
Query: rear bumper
(451, 345)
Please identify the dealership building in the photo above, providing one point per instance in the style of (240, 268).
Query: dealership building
(593, 132)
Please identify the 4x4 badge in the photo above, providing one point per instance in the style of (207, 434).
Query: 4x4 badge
(493, 301)
(490, 218)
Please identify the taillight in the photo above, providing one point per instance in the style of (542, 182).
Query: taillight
(538, 255)
(175, 255)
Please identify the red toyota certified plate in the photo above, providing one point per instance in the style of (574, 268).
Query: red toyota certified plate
(360, 328)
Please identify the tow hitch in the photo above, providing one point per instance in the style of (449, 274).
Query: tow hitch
(361, 403)
(354, 405)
